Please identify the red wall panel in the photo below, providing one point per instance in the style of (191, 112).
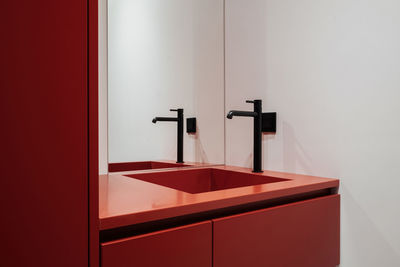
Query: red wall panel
(44, 133)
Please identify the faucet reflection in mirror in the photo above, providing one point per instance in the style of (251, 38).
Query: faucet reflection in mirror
(179, 120)
(263, 122)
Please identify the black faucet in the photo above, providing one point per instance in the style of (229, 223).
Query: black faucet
(179, 120)
(257, 115)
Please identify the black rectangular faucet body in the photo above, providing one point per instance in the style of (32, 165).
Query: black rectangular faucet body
(257, 142)
(180, 136)
(179, 120)
(257, 131)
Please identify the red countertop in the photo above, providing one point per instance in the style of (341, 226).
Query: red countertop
(126, 201)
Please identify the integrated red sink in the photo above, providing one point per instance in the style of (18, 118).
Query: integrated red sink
(204, 180)
(143, 165)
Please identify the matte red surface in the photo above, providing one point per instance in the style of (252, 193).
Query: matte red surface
(125, 201)
(143, 165)
(204, 180)
(94, 251)
(301, 234)
(184, 246)
(44, 133)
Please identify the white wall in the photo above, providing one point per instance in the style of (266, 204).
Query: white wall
(103, 125)
(331, 69)
(162, 55)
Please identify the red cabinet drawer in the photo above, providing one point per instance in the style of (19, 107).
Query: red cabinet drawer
(184, 246)
(301, 234)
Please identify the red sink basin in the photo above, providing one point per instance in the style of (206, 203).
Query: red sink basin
(204, 180)
(143, 165)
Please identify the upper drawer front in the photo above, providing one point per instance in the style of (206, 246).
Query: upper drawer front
(181, 246)
(301, 234)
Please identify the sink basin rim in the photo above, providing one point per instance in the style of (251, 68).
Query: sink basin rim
(204, 180)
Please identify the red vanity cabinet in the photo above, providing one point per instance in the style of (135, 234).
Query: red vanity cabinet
(301, 234)
(189, 245)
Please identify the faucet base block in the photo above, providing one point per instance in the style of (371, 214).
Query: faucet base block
(268, 122)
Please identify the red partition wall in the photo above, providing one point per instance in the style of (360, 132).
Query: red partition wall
(44, 118)
(93, 133)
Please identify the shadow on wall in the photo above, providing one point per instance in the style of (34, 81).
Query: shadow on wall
(293, 152)
(295, 157)
(356, 228)
(200, 155)
(265, 138)
(249, 160)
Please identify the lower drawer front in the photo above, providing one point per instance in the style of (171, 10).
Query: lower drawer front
(189, 245)
(301, 234)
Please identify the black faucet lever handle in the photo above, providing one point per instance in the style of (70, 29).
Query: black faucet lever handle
(172, 109)
(250, 101)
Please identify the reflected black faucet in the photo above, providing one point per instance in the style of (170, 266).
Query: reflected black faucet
(257, 115)
(179, 120)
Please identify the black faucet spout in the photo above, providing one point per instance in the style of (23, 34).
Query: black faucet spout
(164, 119)
(239, 113)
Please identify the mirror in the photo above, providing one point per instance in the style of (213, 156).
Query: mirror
(162, 55)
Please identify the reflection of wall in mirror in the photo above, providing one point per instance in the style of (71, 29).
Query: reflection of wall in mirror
(162, 55)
